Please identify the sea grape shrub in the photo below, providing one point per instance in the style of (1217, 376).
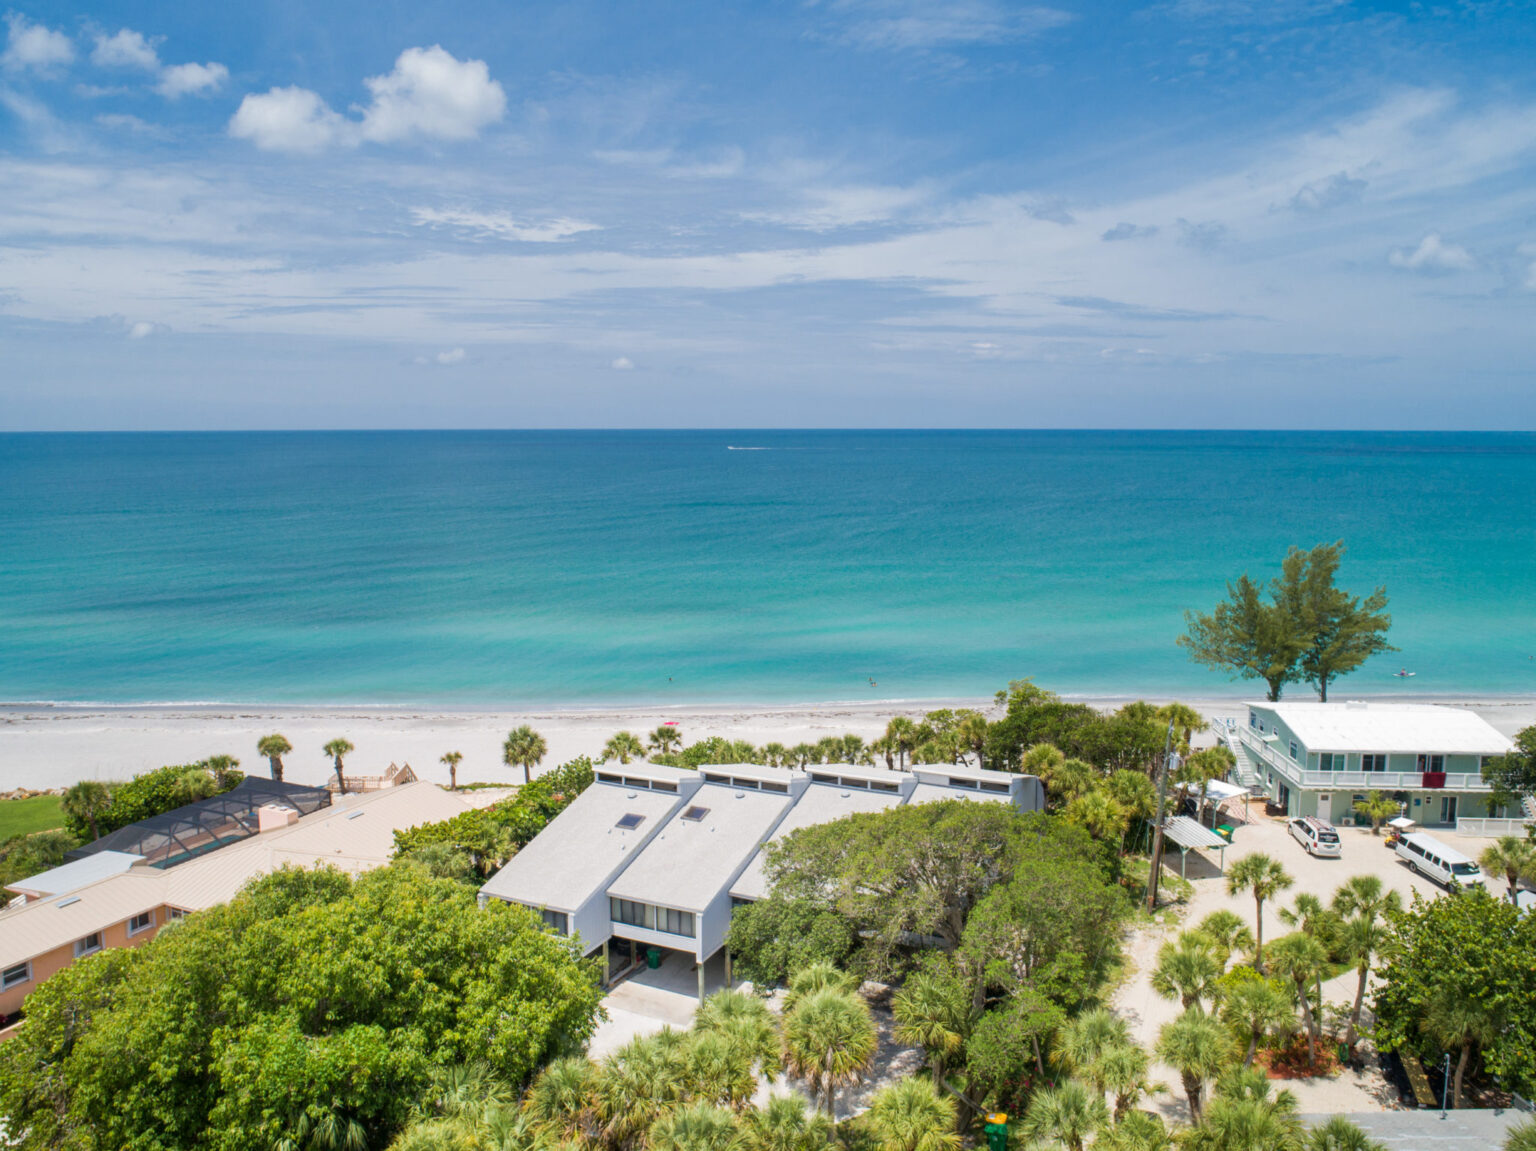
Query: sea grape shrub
(156, 792)
(775, 937)
(310, 998)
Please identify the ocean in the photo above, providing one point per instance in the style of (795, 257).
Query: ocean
(486, 569)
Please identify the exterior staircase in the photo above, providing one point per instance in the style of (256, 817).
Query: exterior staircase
(1246, 772)
(1529, 806)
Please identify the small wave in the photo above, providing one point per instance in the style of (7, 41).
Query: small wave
(734, 448)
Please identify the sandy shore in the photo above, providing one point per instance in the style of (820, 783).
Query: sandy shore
(54, 746)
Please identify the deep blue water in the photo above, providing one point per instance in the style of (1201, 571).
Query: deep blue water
(510, 567)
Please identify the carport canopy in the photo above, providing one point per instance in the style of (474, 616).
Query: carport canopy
(1189, 836)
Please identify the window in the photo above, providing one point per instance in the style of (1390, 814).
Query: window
(664, 787)
(986, 786)
(969, 784)
(781, 788)
(1431, 763)
(695, 814)
(555, 919)
(752, 783)
(819, 777)
(1369, 762)
(884, 787)
(141, 923)
(12, 976)
(604, 777)
(89, 945)
(712, 777)
(1293, 749)
(653, 918)
(629, 822)
(1325, 761)
(1253, 719)
(174, 913)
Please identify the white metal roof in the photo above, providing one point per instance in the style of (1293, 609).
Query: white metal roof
(819, 803)
(356, 834)
(933, 792)
(859, 771)
(576, 855)
(1390, 727)
(757, 772)
(1187, 833)
(80, 873)
(691, 861)
(963, 771)
(649, 772)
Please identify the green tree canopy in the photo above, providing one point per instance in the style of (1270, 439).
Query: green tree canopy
(1305, 628)
(1513, 776)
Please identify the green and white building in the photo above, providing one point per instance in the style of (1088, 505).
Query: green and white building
(1320, 758)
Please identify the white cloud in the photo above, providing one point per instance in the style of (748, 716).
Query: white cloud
(429, 95)
(450, 357)
(289, 120)
(141, 330)
(1432, 255)
(35, 46)
(918, 24)
(432, 95)
(499, 225)
(125, 49)
(826, 209)
(622, 364)
(191, 79)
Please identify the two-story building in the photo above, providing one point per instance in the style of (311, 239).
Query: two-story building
(1321, 758)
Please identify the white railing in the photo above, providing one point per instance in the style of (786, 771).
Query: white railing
(1493, 827)
(1363, 780)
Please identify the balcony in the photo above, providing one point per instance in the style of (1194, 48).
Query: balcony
(1298, 776)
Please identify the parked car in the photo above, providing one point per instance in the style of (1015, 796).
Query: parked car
(1318, 836)
(1429, 857)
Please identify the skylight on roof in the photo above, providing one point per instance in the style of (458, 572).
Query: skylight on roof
(695, 814)
(629, 822)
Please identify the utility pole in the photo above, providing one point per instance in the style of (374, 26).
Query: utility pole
(1157, 827)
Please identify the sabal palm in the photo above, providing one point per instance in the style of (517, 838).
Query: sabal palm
(1339, 1134)
(1302, 959)
(274, 747)
(665, 738)
(1513, 857)
(1186, 971)
(1136, 1131)
(1377, 807)
(338, 749)
(1069, 1114)
(635, 1085)
(1364, 903)
(1100, 815)
(1244, 1117)
(784, 1123)
(902, 733)
(1042, 759)
(1123, 1072)
(1460, 1021)
(451, 760)
(1185, 719)
(829, 1041)
(747, 1023)
(87, 801)
(1265, 878)
(1197, 1047)
(718, 1070)
(934, 1014)
(911, 1115)
(524, 748)
(1256, 1009)
(819, 975)
(623, 746)
(465, 1091)
(696, 1127)
(972, 734)
(1082, 1040)
(562, 1102)
(1226, 933)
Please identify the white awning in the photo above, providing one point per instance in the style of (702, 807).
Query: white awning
(1190, 835)
(1219, 791)
(1402, 823)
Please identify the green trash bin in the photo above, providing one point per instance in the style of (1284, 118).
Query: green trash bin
(653, 957)
(996, 1130)
(1225, 831)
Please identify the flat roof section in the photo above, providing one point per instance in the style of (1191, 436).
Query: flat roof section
(819, 803)
(692, 860)
(934, 792)
(71, 876)
(643, 773)
(576, 855)
(856, 771)
(927, 772)
(1390, 727)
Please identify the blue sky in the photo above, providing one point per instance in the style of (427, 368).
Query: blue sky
(838, 213)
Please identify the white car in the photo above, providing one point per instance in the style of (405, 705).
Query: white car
(1318, 836)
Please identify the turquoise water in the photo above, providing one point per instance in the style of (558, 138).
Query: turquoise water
(499, 568)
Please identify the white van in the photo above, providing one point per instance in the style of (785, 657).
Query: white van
(1317, 836)
(1429, 857)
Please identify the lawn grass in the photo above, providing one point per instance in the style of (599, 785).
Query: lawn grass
(24, 816)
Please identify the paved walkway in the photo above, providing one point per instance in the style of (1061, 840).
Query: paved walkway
(1471, 1130)
(650, 1000)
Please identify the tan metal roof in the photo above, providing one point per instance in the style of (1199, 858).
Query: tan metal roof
(355, 835)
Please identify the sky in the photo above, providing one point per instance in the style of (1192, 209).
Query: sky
(830, 213)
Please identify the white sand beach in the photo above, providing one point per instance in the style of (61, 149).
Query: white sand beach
(54, 746)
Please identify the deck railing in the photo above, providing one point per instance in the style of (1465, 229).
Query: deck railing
(1299, 776)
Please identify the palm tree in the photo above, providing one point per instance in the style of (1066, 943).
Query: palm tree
(451, 759)
(666, 737)
(1083, 1040)
(1521, 1137)
(785, 1124)
(562, 1102)
(1364, 903)
(637, 1083)
(1068, 1114)
(1256, 1008)
(902, 733)
(1266, 878)
(934, 1014)
(1378, 807)
(1197, 1048)
(524, 748)
(86, 802)
(819, 975)
(1339, 1134)
(972, 733)
(696, 1127)
(623, 746)
(1243, 1117)
(775, 754)
(274, 747)
(1186, 971)
(1184, 718)
(1515, 857)
(885, 748)
(1302, 959)
(1225, 933)
(719, 1070)
(1123, 1072)
(1456, 1020)
(911, 1115)
(337, 749)
(1100, 815)
(829, 1040)
(747, 1023)
(1136, 1131)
